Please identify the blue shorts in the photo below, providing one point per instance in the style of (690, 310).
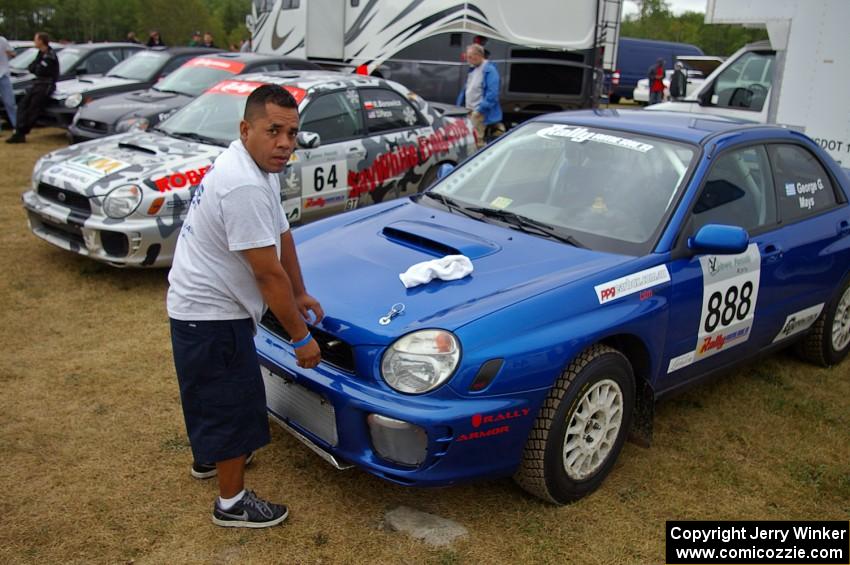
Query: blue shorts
(221, 388)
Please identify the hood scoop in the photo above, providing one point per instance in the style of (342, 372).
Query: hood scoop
(137, 147)
(438, 240)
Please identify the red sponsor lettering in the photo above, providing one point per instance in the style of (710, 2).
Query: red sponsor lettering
(709, 343)
(484, 433)
(181, 180)
(479, 419)
(235, 87)
(442, 139)
(385, 166)
(608, 293)
(234, 67)
(314, 202)
(646, 294)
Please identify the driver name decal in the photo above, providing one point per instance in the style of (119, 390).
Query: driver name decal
(630, 284)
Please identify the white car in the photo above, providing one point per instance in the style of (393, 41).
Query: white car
(641, 93)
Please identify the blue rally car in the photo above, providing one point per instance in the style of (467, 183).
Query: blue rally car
(617, 256)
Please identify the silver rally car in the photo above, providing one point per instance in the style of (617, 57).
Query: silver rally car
(122, 199)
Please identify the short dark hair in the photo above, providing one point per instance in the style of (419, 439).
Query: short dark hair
(267, 94)
(43, 37)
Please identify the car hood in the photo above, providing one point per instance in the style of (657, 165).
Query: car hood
(143, 103)
(96, 167)
(353, 269)
(65, 88)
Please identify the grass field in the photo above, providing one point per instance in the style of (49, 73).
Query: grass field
(95, 459)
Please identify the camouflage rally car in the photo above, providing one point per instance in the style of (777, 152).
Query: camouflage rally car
(122, 199)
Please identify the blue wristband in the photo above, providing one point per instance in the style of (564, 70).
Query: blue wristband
(302, 342)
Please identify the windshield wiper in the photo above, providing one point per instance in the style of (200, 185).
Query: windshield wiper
(195, 137)
(525, 224)
(450, 204)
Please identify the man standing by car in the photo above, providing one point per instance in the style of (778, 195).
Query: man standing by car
(656, 82)
(235, 254)
(678, 82)
(7, 93)
(45, 67)
(480, 95)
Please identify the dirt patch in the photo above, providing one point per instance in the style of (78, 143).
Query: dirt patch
(96, 465)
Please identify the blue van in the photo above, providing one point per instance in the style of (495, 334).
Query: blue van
(635, 56)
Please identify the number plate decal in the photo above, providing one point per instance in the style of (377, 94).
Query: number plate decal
(729, 296)
(328, 177)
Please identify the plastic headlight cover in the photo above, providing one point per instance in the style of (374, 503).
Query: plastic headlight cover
(122, 201)
(74, 100)
(132, 124)
(420, 361)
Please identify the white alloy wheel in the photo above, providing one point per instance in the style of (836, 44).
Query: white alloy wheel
(593, 428)
(841, 322)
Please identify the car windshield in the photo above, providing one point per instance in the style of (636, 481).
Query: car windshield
(192, 80)
(23, 59)
(141, 66)
(68, 58)
(605, 189)
(211, 118)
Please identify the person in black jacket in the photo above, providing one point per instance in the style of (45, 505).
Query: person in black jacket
(678, 82)
(154, 39)
(45, 67)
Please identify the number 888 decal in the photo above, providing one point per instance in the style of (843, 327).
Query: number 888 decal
(730, 293)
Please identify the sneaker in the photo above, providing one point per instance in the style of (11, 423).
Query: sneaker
(17, 138)
(250, 512)
(208, 470)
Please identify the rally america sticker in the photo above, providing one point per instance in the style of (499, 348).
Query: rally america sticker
(630, 284)
(799, 322)
(85, 169)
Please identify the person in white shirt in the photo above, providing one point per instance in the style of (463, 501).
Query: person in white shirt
(234, 255)
(7, 93)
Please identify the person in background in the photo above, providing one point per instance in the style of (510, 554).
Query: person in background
(480, 95)
(131, 37)
(208, 40)
(45, 67)
(154, 39)
(7, 93)
(656, 82)
(196, 41)
(678, 82)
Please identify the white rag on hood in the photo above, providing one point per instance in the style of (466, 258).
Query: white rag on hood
(449, 268)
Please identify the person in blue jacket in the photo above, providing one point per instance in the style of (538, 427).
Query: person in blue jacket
(480, 95)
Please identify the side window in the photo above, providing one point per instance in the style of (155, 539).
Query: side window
(745, 83)
(737, 192)
(802, 185)
(387, 110)
(290, 4)
(334, 117)
(101, 61)
(174, 63)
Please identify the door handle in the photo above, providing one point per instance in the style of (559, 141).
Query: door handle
(772, 253)
(843, 228)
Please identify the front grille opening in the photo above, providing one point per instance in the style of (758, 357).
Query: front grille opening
(335, 351)
(69, 198)
(115, 243)
(64, 231)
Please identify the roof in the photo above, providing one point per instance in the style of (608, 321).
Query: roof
(88, 46)
(183, 50)
(253, 57)
(308, 80)
(678, 126)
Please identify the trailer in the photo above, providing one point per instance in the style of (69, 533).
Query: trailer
(550, 53)
(798, 78)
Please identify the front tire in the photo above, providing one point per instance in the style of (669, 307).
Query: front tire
(581, 427)
(828, 340)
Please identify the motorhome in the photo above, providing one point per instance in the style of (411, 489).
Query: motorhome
(798, 78)
(549, 53)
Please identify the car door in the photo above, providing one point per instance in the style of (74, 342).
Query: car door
(721, 306)
(394, 128)
(322, 174)
(814, 222)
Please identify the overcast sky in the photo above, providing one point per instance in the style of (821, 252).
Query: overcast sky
(678, 6)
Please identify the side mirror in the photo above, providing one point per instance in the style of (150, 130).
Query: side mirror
(444, 170)
(80, 70)
(308, 140)
(719, 239)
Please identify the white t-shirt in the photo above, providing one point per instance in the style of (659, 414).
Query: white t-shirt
(236, 207)
(4, 58)
(475, 86)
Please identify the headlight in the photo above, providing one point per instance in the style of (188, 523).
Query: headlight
(122, 201)
(420, 361)
(132, 124)
(74, 100)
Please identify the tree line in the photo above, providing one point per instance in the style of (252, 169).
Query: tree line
(655, 20)
(110, 20)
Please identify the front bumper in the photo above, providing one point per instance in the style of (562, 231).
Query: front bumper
(467, 437)
(78, 133)
(145, 242)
